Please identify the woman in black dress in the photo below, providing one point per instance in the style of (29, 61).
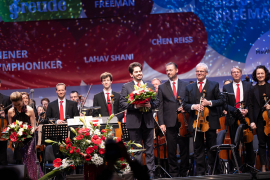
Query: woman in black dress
(257, 106)
(26, 154)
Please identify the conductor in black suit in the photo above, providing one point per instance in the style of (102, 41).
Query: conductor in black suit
(5, 101)
(140, 124)
(213, 99)
(62, 108)
(167, 118)
(241, 91)
(103, 98)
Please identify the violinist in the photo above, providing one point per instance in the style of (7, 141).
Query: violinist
(167, 117)
(212, 101)
(241, 91)
(5, 101)
(257, 106)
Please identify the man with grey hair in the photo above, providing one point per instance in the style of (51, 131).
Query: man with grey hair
(156, 82)
(241, 91)
(212, 101)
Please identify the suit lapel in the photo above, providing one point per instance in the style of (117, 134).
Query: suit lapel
(104, 100)
(193, 91)
(179, 88)
(169, 88)
(231, 90)
(57, 109)
(206, 86)
(1, 98)
(244, 90)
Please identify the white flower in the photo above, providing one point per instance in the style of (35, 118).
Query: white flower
(20, 133)
(97, 160)
(12, 125)
(20, 122)
(102, 145)
(88, 141)
(97, 132)
(25, 126)
(7, 129)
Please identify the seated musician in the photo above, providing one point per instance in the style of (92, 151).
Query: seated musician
(241, 91)
(62, 108)
(24, 113)
(212, 100)
(5, 101)
(156, 82)
(256, 107)
(45, 102)
(42, 115)
(103, 98)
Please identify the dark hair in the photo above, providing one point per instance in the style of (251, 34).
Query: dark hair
(191, 82)
(172, 63)
(74, 92)
(267, 75)
(44, 99)
(105, 75)
(228, 80)
(132, 66)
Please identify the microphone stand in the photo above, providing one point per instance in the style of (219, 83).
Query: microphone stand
(112, 102)
(37, 160)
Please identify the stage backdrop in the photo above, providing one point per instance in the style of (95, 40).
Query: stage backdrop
(43, 43)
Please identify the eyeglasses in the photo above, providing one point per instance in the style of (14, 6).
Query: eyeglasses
(235, 72)
(200, 71)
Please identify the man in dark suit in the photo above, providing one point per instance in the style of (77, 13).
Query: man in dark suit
(167, 118)
(213, 99)
(103, 98)
(241, 91)
(61, 109)
(140, 124)
(5, 101)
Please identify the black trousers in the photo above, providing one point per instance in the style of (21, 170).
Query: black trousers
(263, 140)
(249, 158)
(3, 153)
(145, 135)
(172, 140)
(199, 150)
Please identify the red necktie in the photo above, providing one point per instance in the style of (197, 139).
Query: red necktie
(237, 96)
(109, 104)
(61, 111)
(200, 87)
(138, 85)
(174, 90)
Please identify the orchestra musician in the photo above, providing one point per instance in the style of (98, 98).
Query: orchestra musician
(27, 101)
(167, 118)
(213, 99)
(241, 91)
(5, 101)
(156, 82)
(103, 98)
(140, 124)
(62, 108)
(45, 102)
(257, 106)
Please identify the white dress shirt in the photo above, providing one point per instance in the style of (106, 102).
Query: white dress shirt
(105, 94)
(64, 107)
(176, 84)
(141, 82)
(241, 90)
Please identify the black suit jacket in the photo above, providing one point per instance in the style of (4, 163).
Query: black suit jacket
(5, 101)
(213, 94)
(255, 102)
(232, 99)
(99, 100)
(53, 109)
(134, 116)
(168, 103)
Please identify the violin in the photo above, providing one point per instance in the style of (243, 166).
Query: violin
(183, 119)
(266, 116)
(247, 133)
(201, 124)
(224, 154)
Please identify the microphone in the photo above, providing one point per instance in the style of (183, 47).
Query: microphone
(32, 91)
(41, 114)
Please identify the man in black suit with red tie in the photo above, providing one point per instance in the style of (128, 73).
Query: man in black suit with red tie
(167, 118)
(103, 98)
(213, 99)
(62, 108)
(241, 91)
(140, 124)
(5, 101)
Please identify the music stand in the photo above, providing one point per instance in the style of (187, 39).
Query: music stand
(56, 133)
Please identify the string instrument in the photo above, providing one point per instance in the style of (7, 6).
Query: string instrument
(80, 100)
(224, 154)
(201, 124)
(266, 116)
(159, 140)
(183, 119)
(247, 133)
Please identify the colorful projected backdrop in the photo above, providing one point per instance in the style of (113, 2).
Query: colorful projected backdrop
(74, 41)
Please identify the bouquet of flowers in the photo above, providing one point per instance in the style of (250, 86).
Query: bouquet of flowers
(141, 95)
(59, 165)
(17, 132)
